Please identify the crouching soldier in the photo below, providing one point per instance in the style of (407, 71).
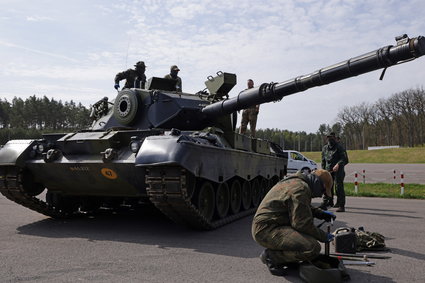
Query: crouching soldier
(283, 223)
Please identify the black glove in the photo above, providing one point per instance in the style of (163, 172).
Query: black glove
(328, 216)
(116, 86)
(325, 215)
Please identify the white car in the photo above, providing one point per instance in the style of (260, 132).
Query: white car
(298, 162)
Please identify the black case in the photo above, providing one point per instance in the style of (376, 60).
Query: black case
(345, 241)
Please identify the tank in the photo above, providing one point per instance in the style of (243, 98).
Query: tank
(177, 151)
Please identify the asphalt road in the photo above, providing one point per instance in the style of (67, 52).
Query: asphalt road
(149, 248)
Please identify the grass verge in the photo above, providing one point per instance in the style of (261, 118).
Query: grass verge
(389, 155)
(411, 191)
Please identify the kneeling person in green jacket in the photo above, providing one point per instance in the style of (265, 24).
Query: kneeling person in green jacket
(283, 223)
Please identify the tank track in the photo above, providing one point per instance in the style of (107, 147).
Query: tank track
(168, 191)
(11, 186)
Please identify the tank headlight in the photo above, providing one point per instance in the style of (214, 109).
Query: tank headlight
(135, 146)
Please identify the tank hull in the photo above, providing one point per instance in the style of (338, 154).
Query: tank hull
(179, 172)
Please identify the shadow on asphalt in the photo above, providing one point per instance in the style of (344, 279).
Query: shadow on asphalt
(152, 228)
(408, 253)
(359, 276)
(355, 275)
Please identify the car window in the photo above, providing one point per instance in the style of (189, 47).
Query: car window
(296, 156)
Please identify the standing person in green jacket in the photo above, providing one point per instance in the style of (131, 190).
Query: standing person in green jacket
(283, 223)
(173, 75)
(334, 159)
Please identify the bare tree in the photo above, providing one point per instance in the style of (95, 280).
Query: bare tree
(385, 116)
(419, 105)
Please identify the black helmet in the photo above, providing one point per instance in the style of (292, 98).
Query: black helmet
(174, 68)
(140, 64)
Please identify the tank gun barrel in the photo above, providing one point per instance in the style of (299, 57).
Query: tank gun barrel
(406, 49)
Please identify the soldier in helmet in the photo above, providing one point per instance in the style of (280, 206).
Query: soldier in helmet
(334, 159)
(283, 223)
(134, 78)
(173, 75)
(249, 115)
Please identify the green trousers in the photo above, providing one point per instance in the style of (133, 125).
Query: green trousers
(286, 244)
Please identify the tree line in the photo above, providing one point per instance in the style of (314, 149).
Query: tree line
(29, 118)
(397, 120)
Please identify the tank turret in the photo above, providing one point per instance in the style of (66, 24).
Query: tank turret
(160, 107)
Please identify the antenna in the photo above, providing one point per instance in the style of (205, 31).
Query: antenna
(128, 48)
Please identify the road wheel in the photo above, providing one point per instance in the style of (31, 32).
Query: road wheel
(235, 197)
(256, 192)
(222, 200)
(246, 195)
(264, 187)
(191, 183)
(206, 200)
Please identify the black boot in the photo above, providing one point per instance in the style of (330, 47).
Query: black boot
(273, 268)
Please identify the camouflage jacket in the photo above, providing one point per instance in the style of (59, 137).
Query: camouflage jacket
(178, 82)
(288, 203)
(331, 155)
(255, 109)
(133, 79)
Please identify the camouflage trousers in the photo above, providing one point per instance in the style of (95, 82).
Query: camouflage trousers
(285, 244)
(249, 116)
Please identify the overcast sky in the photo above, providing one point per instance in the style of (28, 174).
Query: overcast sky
(73, 49)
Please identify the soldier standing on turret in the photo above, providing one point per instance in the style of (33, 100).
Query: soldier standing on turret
(173, 75)
(249, 115)
(134, 78)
